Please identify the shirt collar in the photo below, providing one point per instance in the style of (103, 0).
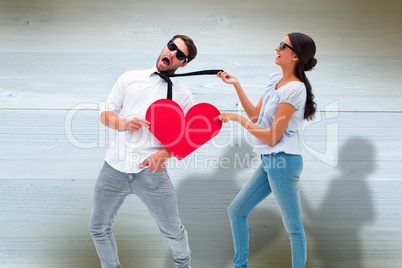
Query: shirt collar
(151, 71)
(154, 69)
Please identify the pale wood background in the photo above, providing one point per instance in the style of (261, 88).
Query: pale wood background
(59, 60)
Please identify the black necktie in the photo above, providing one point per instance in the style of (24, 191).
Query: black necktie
(166, 77)
(169, 82)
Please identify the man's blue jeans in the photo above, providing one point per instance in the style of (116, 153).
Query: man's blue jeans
(156, 191)
(279, 173)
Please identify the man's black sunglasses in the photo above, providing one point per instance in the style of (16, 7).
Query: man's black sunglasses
(179, 55)
(282, 45)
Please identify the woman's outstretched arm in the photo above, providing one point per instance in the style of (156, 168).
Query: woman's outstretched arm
(269, 136)
(251, 110)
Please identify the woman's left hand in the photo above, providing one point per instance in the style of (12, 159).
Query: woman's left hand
(226, 117)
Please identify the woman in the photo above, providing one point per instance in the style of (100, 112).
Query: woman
(275, 122)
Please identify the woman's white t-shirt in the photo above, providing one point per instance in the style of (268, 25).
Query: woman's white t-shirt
(293, 93)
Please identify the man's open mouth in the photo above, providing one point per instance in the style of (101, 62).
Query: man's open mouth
(166, 61)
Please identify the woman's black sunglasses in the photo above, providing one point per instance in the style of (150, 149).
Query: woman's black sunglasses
(179, 55)
(282, 45)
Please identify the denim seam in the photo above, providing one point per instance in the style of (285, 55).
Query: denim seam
(237, 215)
(288, 206)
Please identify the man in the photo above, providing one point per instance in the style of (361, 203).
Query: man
(134, 163)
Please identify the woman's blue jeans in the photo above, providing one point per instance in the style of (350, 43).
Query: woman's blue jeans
(279, 173)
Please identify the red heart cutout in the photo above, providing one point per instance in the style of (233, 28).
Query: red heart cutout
(180, 134)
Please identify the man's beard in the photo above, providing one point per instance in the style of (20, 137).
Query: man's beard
(170, 69)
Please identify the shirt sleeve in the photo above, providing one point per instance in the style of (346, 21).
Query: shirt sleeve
(115, 99)
(294, 94)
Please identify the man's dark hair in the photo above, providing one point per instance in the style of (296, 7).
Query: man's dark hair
(192, 49)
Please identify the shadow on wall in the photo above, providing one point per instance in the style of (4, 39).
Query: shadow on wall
(333, 226)
(203, 202)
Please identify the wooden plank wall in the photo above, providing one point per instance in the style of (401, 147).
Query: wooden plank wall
(59, 60)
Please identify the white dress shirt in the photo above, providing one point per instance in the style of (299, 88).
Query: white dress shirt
(131, 96)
